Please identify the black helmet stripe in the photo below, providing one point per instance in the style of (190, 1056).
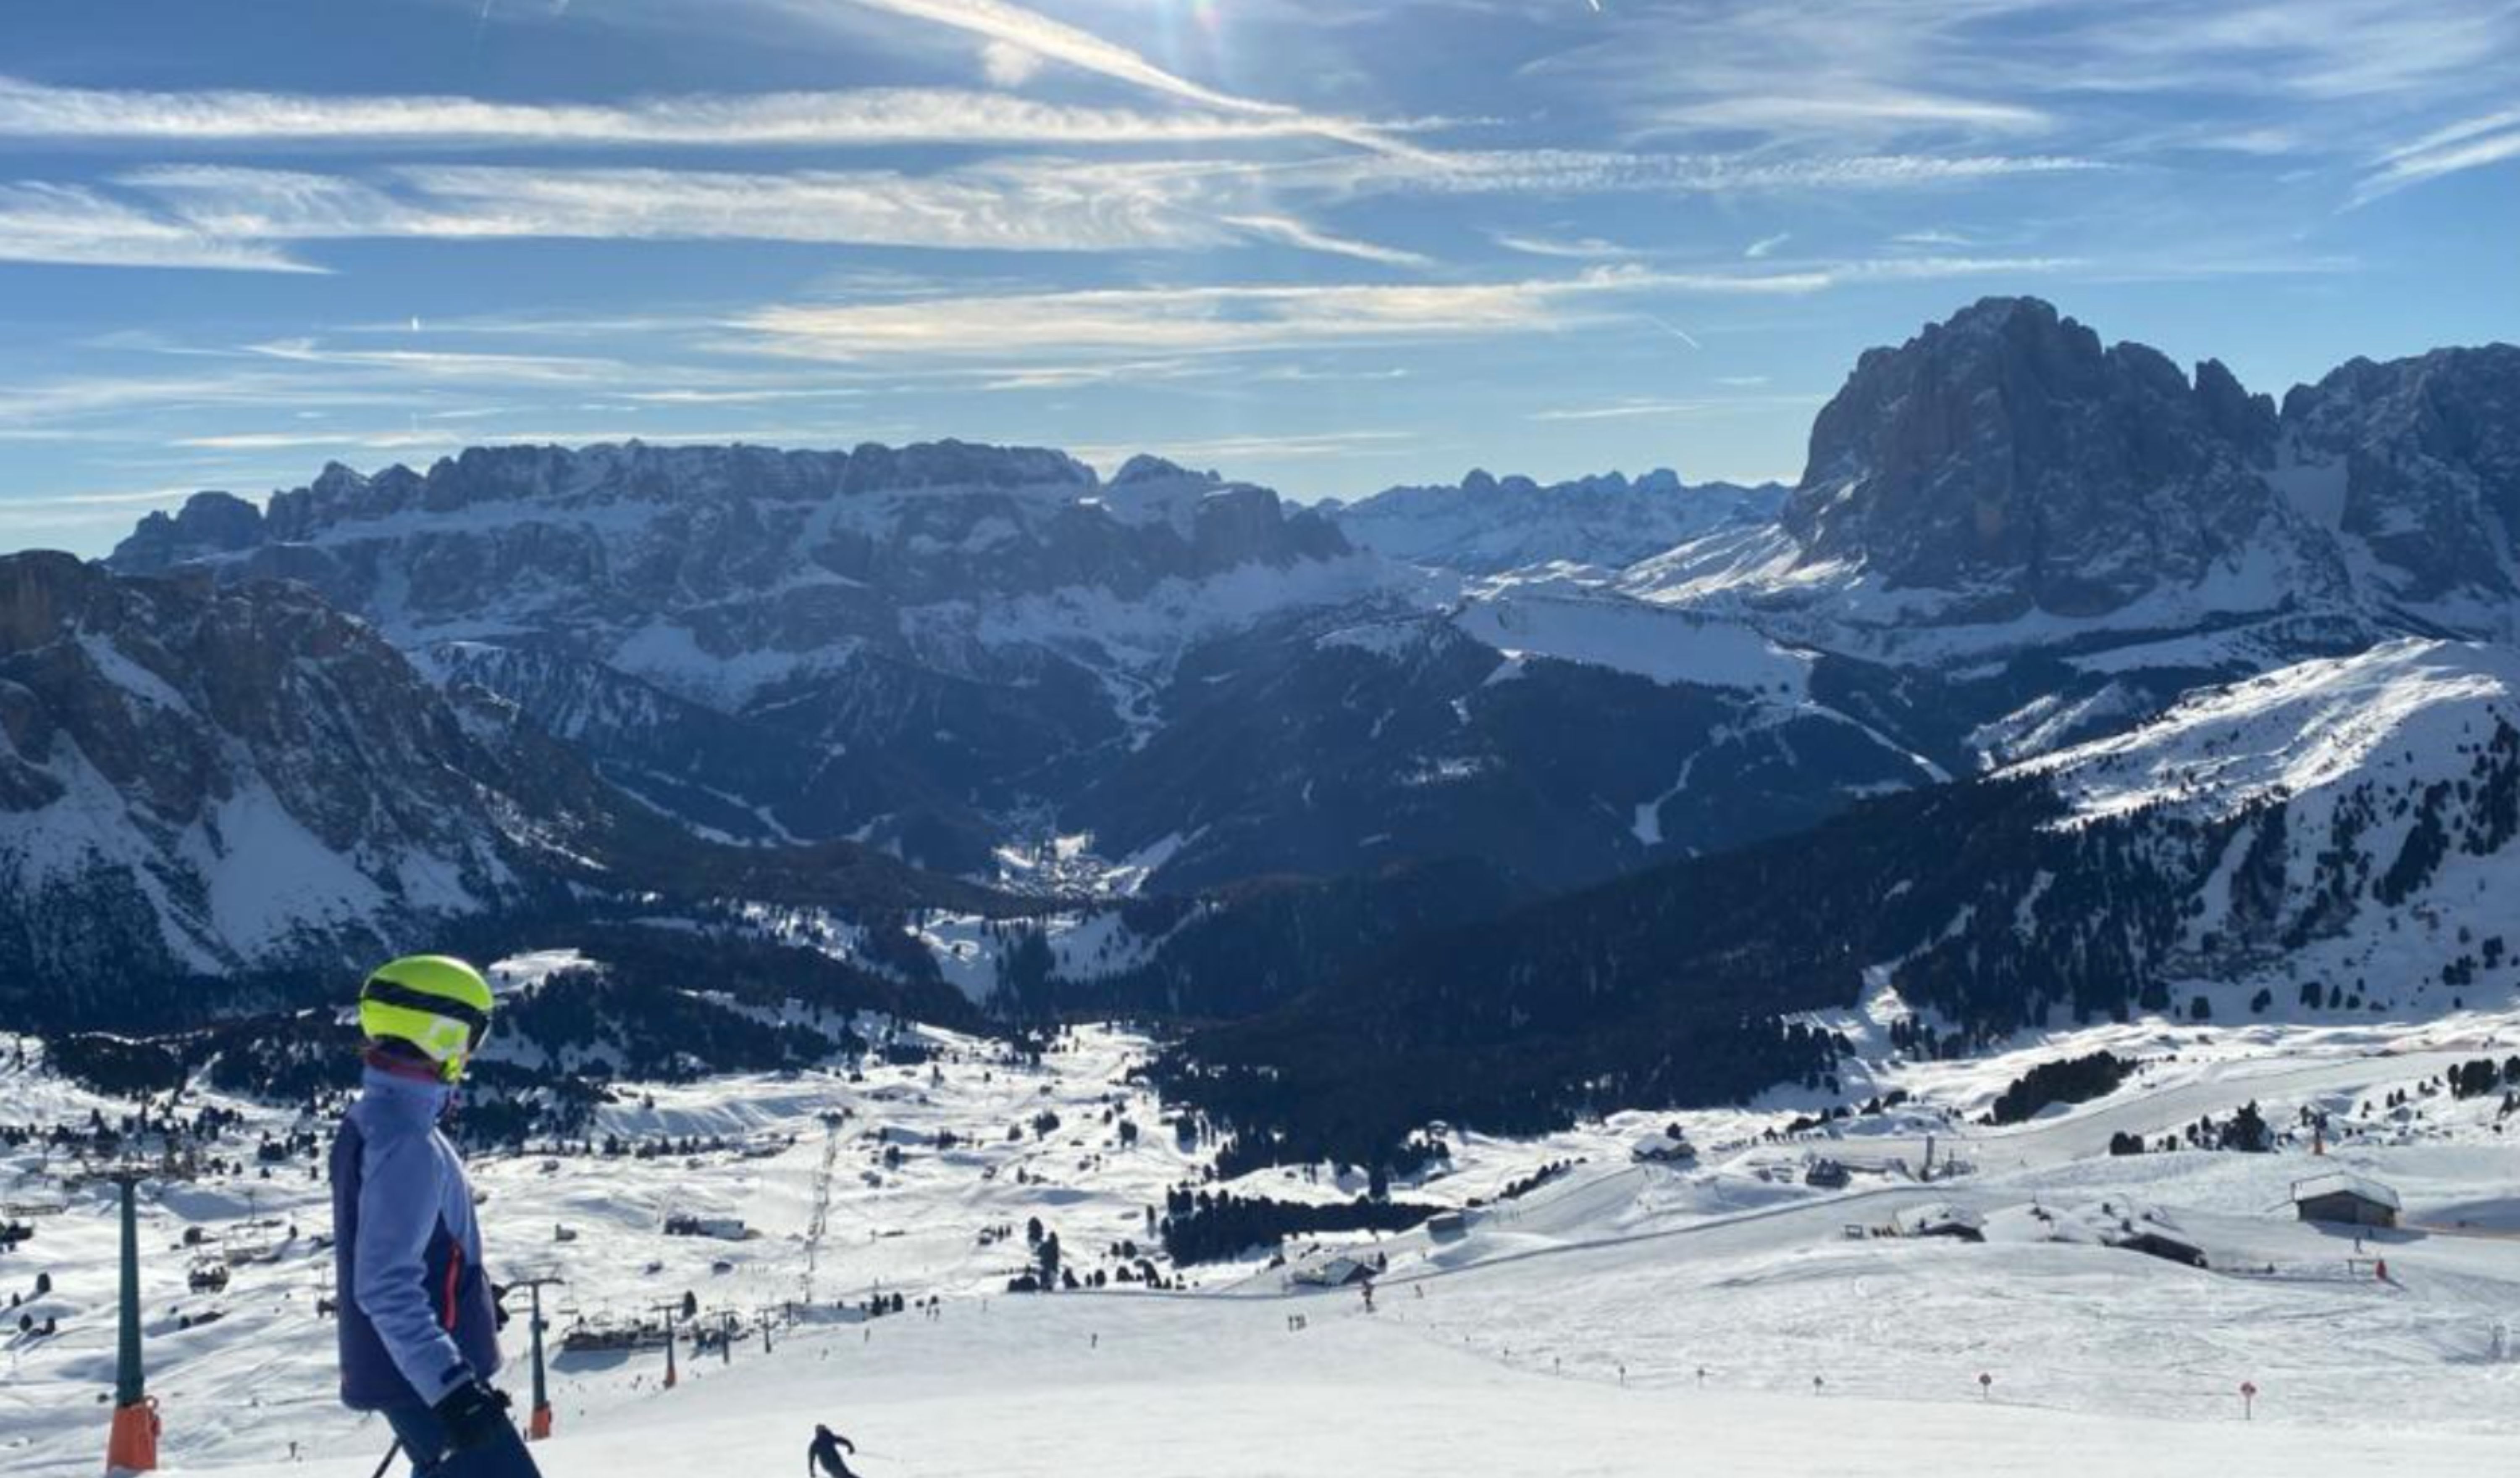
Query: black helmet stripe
(397, 993)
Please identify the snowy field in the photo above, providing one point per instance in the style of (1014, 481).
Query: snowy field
(1620, 1319)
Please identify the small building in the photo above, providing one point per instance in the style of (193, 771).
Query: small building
(1663, 1147)
(1336, 1273)
(1827, 1175)
(2345, 1199)
(1447, 1223)
(2154, 1244)
(1956, 1223)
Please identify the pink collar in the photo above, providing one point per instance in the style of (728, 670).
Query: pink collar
(395, 1065)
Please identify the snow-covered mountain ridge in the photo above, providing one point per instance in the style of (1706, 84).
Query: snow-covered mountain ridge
(1486, 525)
(2003, 482)
(2400, 707)
(935, 649)
(212, 792)
(197, 777)
(2010, 541)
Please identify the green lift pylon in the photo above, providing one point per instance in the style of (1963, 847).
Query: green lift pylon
(538, 1421)
(132, 1447)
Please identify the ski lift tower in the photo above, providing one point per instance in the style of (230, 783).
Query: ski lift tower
(669, 1308)
(538, 1420)
(819, 1222)
(132, 1446)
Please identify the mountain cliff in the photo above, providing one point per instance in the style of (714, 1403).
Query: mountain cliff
(2010, 538)
(720, 624)
(1487, 524)
(198, 777)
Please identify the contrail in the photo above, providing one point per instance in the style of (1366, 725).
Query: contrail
(1665, 324)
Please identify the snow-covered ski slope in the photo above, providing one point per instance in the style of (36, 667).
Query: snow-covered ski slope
(2299, 731)
(1563, 1331)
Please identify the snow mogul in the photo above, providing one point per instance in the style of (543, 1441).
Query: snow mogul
(418, 1319)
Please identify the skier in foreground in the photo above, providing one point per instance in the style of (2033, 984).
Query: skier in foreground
(825, 1454)
(419, 1327)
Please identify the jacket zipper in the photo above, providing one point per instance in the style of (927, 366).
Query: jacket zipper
(454, 1270)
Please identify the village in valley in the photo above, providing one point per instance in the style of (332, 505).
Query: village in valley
(2200, 1243)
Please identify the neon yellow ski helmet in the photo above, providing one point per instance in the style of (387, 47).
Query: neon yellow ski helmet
(435, 1003)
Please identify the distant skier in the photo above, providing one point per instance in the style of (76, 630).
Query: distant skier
(824, 1455)
(418, 1329)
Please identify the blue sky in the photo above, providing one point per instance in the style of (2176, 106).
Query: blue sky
(1329, 245)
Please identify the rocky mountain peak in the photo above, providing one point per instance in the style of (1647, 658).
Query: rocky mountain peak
(2423, 455)
(2245, 419)
(196, 775)
(210, 524)
(2008, 454)
(1146, 467)
(1488, 525)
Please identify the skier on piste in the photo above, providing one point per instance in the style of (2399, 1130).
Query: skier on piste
(824, 1457)
(419, 1324)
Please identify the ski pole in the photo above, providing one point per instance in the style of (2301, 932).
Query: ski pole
(391, 1454)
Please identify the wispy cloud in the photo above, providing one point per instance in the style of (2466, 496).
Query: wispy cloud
(2469, 144)
(1243, 319)
(1059, 377)
(1838, 114)
(1008, 64)
(737, 396)
(464, 366)
(1579, 248)
(995, 22)
(76, 226)
(55, 502)
(2311, 81)
(1715, 405)
(1295, 233)
(859, 117)
(1301, 446)
(1027, 204)
(1193, 319)
(1574, 171)
(1765, 245)
(70, 400)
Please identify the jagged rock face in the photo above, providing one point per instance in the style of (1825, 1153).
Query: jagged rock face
(229, 775)
(883, 643)
(623, 533)
(1488, 525)
(2007, 453)
(2430, 452)
(935, 647)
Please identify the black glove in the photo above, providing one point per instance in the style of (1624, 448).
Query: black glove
(474, 1415)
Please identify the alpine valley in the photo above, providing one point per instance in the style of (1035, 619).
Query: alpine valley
(2064, 686)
